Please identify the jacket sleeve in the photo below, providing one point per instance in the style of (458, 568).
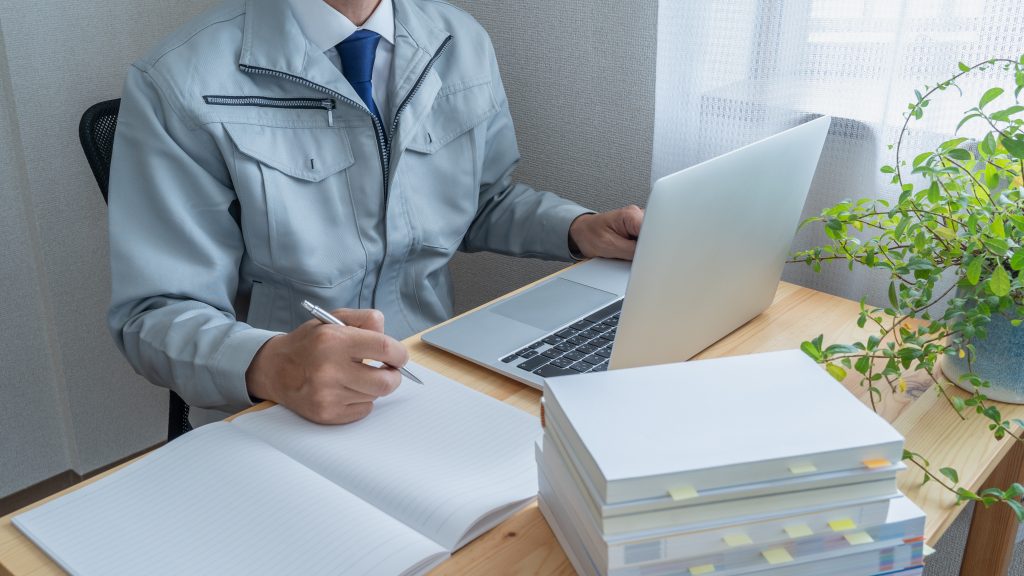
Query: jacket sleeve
(174, 253)
(513, 218)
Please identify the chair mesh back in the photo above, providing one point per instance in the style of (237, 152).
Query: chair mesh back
(96, 132)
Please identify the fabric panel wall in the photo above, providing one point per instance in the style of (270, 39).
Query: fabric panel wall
(580, 81)
(33, 441)
(62, 58)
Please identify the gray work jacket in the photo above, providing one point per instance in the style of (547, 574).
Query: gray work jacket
(248, 176)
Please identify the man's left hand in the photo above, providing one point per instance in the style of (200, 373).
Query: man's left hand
(608, 234)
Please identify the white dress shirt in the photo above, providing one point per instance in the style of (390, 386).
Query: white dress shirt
(325, 28)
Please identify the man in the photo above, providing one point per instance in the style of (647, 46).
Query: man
(273, 151)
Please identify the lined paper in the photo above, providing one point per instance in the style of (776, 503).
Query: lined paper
(219, 501)
(438, 457)
(432, 467)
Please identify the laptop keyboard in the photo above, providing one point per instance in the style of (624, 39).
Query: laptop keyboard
(584, 346)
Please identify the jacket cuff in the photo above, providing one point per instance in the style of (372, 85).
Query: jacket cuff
(232, 362)
(556, 228)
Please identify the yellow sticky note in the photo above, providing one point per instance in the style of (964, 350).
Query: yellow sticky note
(842, 524)
(777, 556)
(739, 539)
(803, 468)
(858, 538)
(683, 493)
(702, 569)
(798, 530)
(877, 463)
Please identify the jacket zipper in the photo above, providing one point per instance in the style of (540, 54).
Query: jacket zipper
(383, 143)
(327, 104)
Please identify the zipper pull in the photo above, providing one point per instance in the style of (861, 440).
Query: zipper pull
(330, 117)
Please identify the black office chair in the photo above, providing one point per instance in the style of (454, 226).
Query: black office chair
(96, 132)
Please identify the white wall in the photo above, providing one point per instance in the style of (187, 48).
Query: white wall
(68, 400)
(580, 81)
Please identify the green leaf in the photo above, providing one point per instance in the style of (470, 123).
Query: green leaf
(958, 403)
(963, 67)
(965, 494)
(974, 271)
(894, 297)
(862, 364)
(999, 283)
(997, 227)
(997, 245)
(951, 474)
(950, 144)
(1015, 146)
(921, 158)
(1006, 114)
(840, 349)
(959, 154)
(1017, 507)
(811, 350)
(987, 146)
(887, 170)
(1017, 260)
(836, 371)
(1014, 491)
(966, 119)
(989, 95)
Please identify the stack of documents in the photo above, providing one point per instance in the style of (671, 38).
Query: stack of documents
(761, 465)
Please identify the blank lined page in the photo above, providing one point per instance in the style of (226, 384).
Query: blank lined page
(439, 457)
(219, 501)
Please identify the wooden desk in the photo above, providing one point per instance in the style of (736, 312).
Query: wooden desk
(525, 545)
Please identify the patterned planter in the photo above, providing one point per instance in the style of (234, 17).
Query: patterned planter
(1000, 360)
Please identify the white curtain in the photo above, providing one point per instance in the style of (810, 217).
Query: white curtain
(732, 72)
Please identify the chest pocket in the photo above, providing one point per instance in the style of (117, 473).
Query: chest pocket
(297, 213)
(442, 170)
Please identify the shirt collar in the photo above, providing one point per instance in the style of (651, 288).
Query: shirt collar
(325, 27)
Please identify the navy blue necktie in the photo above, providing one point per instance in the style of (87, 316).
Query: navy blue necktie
(357, 54)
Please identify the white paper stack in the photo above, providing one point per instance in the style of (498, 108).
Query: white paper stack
(759, 464)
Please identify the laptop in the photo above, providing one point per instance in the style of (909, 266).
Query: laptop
(709, 258)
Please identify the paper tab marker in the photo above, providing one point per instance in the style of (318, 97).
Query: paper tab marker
(734, 540)
(928, 550)
(798, 530)
(842, 525)
(683, 493)
(877, 463)
(702, 569)
(777, 556)
(804, 468)
(858, 538)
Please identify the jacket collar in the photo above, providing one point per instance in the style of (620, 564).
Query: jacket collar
(273, 39)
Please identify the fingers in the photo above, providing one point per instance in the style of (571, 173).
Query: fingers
(372, 381)
(367, 319)
(339, 413)
(366, 345)
(632, 219)
(621, 248)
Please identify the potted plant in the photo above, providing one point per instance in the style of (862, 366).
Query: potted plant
(952, 245)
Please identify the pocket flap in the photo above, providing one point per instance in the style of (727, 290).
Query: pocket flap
(454, 112)
(307, 153)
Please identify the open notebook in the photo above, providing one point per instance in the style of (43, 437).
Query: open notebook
(430, 469)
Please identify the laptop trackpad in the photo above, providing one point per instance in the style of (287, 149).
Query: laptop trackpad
(553, 304)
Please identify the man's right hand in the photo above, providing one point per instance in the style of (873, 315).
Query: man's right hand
(317, 370)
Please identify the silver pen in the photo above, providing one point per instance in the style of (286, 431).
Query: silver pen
(328, 318)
